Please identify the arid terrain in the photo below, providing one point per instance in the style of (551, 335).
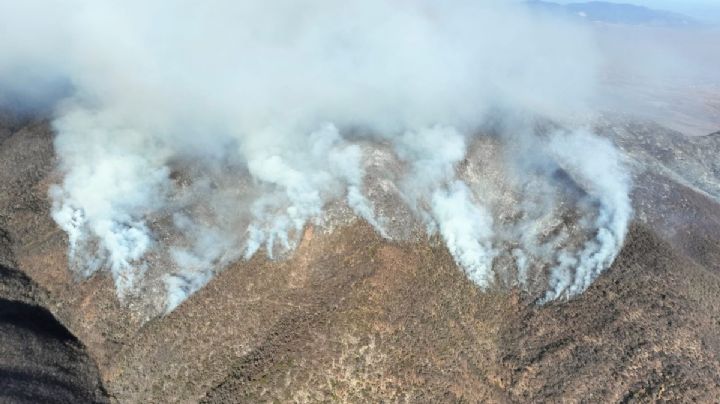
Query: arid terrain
(359, 202)
(352, 317)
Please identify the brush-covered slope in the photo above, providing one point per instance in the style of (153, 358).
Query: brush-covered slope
(351, 316)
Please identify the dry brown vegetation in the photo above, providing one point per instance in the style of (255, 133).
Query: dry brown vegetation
(351, 317)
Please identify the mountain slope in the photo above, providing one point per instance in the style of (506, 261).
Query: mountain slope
(351, 316)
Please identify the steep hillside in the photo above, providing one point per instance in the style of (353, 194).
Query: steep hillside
(352, 316)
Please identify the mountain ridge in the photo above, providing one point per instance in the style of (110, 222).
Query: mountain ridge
(615, 13)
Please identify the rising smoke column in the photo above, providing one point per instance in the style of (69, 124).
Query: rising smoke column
(200, 133)
(443, 201)
(598, 168)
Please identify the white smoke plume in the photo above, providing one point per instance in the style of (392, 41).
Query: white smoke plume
(466, 229)
(444, 202)
(200, 133)
(596, 165)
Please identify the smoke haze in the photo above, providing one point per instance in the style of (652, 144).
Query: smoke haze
(194, 134)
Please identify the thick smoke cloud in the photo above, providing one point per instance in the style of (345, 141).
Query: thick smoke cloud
(200, 133)
(596, 165)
